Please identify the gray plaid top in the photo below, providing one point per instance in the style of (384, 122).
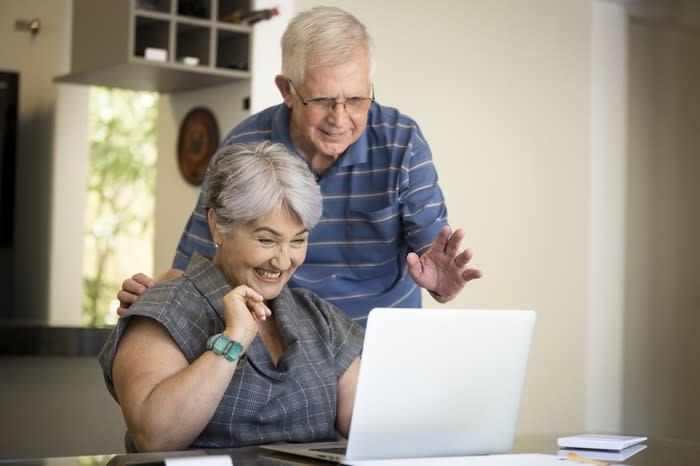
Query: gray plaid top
(294, 401)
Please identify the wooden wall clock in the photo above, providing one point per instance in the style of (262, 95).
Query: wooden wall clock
(197, 142)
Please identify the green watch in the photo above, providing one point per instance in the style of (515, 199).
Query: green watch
(224, 346)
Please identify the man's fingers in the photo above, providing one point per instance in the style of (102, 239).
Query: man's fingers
(452, 246)
(463, 258)
(471, 274)
(414, 265)
(126, 298)
(137, 284)
(442, 238)
(144, 280)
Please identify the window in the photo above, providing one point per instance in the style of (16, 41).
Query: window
(118, 235)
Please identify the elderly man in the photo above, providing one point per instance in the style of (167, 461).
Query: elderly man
(384, 231)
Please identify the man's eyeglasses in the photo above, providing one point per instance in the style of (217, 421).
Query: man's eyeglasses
(327, 104)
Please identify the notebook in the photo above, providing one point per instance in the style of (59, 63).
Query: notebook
(434, 383)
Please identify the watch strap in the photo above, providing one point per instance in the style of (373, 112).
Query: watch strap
(223, 346)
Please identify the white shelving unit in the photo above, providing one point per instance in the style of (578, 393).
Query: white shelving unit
(200, 47)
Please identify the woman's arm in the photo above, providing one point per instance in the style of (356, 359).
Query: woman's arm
(166, 401)
(346, 397)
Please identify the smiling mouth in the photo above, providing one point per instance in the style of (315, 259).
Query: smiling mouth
(267, 274)
(333, 134)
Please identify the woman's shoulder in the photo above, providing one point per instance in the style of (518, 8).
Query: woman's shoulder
(175, 303)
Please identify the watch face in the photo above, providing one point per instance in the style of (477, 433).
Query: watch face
(197, 142)
(224, 346)
(220, 344)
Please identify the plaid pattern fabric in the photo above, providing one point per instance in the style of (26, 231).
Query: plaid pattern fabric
(380, 201)
(293, 401)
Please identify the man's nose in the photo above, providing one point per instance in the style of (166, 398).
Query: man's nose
(338, 114)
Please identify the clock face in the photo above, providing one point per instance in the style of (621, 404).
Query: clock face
(197, 142)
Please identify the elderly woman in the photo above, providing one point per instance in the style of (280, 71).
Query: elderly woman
(228, 355)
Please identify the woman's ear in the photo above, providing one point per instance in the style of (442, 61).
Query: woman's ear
(211, 219)
(285, 89)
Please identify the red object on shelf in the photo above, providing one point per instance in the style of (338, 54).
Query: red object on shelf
(255, 16)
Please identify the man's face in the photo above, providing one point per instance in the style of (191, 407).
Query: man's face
(327, 132)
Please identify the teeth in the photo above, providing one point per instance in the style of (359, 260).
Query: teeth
(267, 274)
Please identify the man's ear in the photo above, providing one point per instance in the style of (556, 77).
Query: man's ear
(285, 89)
(211, 219)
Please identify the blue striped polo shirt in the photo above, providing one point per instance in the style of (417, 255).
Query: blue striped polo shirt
(381, 200)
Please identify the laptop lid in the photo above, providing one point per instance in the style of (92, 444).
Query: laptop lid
(439, 382)
(435, 383)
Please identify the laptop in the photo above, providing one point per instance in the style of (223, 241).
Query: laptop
(434, 383)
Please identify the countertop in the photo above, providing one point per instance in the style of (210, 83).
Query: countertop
(45, 340)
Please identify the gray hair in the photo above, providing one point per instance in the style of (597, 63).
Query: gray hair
(247, 182)
(323, 36)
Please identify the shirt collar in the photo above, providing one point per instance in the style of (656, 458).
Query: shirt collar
(208, 279)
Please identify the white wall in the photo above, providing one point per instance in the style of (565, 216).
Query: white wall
(606, 227)
(267, 56)
(69, 184)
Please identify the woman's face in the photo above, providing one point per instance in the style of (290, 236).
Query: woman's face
(263, 254)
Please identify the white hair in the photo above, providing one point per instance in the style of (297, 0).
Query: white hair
(323, 36)
(250, 181)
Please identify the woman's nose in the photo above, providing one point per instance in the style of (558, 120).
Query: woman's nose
(282, 259)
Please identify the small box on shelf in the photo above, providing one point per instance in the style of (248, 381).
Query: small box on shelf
(189, 61)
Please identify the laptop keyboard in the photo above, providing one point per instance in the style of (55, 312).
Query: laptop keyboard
(336, 450)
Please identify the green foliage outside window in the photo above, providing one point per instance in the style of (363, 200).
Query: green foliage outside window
(118, 238)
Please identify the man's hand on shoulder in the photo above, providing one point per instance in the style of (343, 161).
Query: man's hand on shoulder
(134, 287)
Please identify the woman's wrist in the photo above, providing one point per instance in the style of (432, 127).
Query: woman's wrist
(241, 335)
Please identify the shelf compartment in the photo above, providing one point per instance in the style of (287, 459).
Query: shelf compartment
(201, 9)
(153, 33)
(192, 41)
(232, 50)
(161, 6)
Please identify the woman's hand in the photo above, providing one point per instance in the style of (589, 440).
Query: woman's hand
(243, 308)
